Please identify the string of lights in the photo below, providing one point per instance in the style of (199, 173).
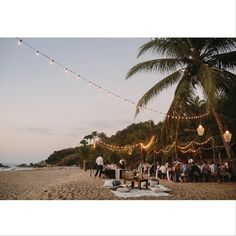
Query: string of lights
(207, 149)
(67, 69)
(127, 148)
(190, 150)
(165, 151)
(148, 145)
(115, 148)
(184, 147)
(194, 142)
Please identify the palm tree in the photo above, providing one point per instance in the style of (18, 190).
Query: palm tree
(102, 136)
(88, 137)
(196, 105)
(191, 63)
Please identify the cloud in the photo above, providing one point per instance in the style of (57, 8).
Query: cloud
(87, 126)
(38, 130)
(73, 132)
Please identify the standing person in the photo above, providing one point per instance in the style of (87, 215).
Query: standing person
(158, 175)
(122, 164)
(99, 162)
(205, 172)
(213, 171)
(163, 170)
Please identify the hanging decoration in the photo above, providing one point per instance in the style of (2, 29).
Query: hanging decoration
(126, 148)
(67, 69)
(165, 151)
(194, 142)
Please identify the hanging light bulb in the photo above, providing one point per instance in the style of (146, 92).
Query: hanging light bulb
(227, 136)
(37, 53)
(200, 130)
(78, 77)
(66, 70)
(52, 61)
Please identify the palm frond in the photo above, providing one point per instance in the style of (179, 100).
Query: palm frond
(207, 80)
(157, 88)
(220, 45)
(226, 60)
(163, 65)
(170, 47)
(183, 93)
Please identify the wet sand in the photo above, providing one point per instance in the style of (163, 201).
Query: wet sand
(72, 183)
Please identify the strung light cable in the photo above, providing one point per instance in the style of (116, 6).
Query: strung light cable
(114, 148)
(148, 145)
(110, 93)
(128, 148)
(206, 149)
(165, 151)
(182, 148)
(191, 150)
(194, 142)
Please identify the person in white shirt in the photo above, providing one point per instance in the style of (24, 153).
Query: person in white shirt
(213, 168)
(163, 170)
(99, 162)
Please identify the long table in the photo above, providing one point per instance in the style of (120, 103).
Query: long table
(113, 173)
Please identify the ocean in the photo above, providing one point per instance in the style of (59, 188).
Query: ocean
(13, 167)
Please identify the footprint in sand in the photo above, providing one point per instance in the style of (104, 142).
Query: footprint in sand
(49, 195)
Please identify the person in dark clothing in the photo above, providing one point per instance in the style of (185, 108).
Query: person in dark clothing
(194, 172)
(122, 164)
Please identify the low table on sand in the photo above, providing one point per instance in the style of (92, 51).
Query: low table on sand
(139, 181)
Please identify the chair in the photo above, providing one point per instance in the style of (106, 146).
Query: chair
(213, 177)
(196, 177)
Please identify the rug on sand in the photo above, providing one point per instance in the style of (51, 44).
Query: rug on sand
(139, 193)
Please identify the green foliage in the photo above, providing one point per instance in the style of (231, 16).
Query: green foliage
(70, 160)
(134, 133)
(189, 62)
(58, 156)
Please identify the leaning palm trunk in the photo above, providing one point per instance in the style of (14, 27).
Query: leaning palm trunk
(176, 140)
(229, 151)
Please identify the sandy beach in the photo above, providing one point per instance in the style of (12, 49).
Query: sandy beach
(72, 183)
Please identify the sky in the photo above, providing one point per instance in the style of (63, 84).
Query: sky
(44, 109)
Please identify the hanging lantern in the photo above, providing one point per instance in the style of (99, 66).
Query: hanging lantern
(200, 130)
(227, 136)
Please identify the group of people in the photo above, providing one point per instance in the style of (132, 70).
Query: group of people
(193, 172)
(177, 171)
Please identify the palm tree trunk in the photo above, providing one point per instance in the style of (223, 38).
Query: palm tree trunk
(176, 140)
(229, 151)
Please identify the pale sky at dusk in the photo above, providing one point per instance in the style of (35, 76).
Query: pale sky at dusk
(44, 109)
